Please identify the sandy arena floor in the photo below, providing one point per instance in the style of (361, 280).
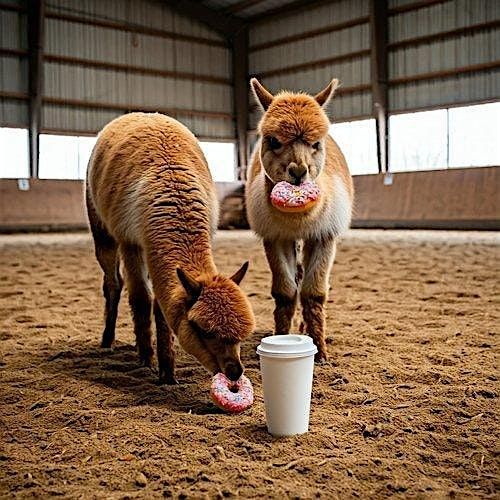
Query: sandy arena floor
(408, 406)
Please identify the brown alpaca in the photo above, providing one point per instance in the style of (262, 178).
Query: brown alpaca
(294, 146)
(152, 201)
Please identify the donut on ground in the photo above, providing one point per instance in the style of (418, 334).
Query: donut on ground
(233, 397)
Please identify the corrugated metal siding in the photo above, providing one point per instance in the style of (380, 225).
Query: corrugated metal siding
(445, 55)
(113, 46)
(441, 17)
(448, 54)
(13, 113)
(466, 88)
(60, 118)
(13, 69)
(310, 49)
(145, 13)
(133, 90)
(130, 89)
(352, 72)
(13, 30)
(317, 17)
(13, 74)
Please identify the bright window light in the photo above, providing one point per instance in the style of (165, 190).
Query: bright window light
(14, 162)
(85, 146)
(221, 158)
(418, 141)
(64, 156)
(474, 135)
(358, 142)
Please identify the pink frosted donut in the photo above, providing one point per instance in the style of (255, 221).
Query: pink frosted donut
(226, 399)
(289, 198)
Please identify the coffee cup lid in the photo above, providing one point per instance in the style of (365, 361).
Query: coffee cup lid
(287, 346)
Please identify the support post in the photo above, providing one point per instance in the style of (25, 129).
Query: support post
(379, 78)
(240, 96)
(35, 16)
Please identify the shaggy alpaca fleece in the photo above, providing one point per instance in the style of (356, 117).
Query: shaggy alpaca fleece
(150, 192)
(298, 118)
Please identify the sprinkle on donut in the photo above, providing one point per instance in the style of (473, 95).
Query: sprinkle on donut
(233, 397)
(289, 198)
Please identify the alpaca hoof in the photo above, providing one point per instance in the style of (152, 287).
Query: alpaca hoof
(146, 356)
(147, 362)
(106, 342)
(321, 358)
(167, 379)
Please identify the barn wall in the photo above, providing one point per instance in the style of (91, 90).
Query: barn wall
(444, 54)
(102, 59)
(13, 65)
(455, 198)
(304, 51)
(458, 198)
(441, 53)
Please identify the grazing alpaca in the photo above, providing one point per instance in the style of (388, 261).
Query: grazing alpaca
(151, 199)
(294, 146)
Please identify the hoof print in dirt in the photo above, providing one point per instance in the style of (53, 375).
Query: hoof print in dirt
(372, 431)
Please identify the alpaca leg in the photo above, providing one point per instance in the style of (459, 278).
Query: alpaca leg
(318, 261)
(140, 300)
(165, 347)
(106, 251)
(282, 258)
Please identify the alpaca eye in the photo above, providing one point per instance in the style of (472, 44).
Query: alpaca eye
(274, 143)
(200, 331)
(316, 146)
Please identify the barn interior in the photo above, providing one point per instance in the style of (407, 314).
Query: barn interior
(408, 403)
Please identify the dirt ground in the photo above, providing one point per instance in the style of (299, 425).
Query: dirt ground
(408, 406)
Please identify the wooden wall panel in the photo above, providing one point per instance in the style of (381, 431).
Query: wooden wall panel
(455, 199)
(459, 198)
(48, 204)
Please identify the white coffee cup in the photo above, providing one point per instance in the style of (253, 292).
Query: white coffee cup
(287, 366)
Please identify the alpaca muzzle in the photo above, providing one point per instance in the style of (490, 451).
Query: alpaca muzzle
(297, 173)
(233, 370)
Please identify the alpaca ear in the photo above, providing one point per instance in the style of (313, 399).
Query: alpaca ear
(240, 273)
(192, 287)
(326, 94)
(263, 96)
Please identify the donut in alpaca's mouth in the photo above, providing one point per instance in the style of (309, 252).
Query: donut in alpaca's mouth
(287, 197)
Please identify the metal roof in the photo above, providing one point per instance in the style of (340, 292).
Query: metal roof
(247, 9)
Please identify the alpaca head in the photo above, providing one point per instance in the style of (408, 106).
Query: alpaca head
(218, 318)
(293, 128)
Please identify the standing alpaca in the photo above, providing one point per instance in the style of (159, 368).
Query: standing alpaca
(294, 146)
(151, 199)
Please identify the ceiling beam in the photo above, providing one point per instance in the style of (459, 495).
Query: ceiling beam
(294, 7)
(35, 80)
(379, 78)
(240, 98)
(242, 5)
(225, 24)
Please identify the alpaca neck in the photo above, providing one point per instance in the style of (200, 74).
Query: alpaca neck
(167, 252)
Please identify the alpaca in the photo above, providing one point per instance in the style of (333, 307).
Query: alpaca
(294, 146)
(152, 202)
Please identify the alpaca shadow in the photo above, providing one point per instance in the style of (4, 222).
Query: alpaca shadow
(119, 369)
